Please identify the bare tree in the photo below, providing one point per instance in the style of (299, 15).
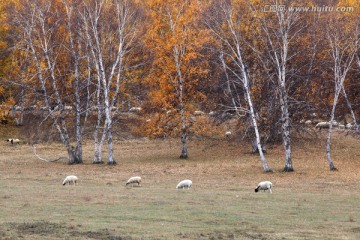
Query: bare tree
(280, 29)
(343, 48)
(75, 48)
(41, 35)
(226, 29)
(111, 30)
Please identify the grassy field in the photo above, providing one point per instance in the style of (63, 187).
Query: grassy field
(310, 203)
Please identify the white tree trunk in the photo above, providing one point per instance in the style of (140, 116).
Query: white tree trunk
(328, 138)
(356, 126)
(343, 54)
(180, 91)
(98, 144)
(233, 44)
(109, 64)
(38, 36)
(258, 139)
(76, 57)
(178, 82)
(285, 119)
(278, 40)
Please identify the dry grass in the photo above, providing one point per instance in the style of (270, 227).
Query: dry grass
(310, 203)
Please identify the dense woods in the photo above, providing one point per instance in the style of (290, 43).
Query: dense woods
(185, 66)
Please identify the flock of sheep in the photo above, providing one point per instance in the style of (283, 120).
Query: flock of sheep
(71, 179)
(326, 125)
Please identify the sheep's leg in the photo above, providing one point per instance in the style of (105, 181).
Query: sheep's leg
(270, 190)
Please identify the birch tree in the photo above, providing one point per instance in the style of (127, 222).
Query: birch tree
(225, 23)
(343, 43)
(280, 29)
(111, 30)
(175, 42)
(75, 51)
(40, 23)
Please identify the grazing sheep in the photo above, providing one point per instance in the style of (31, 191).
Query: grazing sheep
(70, 180)
(324, 125)
(198, 113)
(184, 184)
(265, 185)
(133, 180)
(228, 134)
(13, 140)
(68, 108)
(308, 122)
(135, 110)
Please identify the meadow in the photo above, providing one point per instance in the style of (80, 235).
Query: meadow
(309, 203)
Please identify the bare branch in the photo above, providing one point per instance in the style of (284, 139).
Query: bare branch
(43, 159)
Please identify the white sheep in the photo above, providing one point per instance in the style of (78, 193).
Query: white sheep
(133, 180)
(265, 185)
(71, 179)
(198, 113)
(323, 125)
(13, 140)
(184, 184)
(68, 108)
(228, 134)
(135, 110)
